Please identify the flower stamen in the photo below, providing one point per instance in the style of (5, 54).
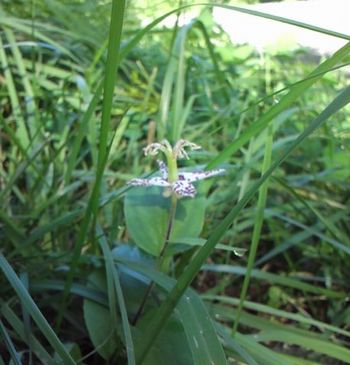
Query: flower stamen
(179, 148)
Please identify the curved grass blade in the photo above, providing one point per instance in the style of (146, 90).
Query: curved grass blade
(20, 330)
(193, 242)
(234, 346)
(336, 233)
(265, 309)
(262, 354)
(34, 311)
(14, 233)
(287, 21)
(297, 360)
(277, 279)
(198, 326)
(9, 344)
(26, 319)
(113, 285)
(174, 78)
(21, 132)
(199, 329)
(258, 223)
(321, 346)
(335, 243)
(78, 289)
(64, 220)
(20, 25)
(83, 127)
(33, 119)
(294, 240)
(20, 169)
(251, 351)
(300, 237)
(113, 59)
(270, 331)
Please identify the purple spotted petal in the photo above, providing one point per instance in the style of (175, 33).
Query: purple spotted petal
(158, 181)
(163, 169)
(183, 188)
(200, 175)
(154, 181)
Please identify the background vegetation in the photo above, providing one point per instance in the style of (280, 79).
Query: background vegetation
(86, 85)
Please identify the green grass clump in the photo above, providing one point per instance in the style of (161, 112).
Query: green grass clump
(84, 87)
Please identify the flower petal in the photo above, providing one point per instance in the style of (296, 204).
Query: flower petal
(184, 188)
(163, 169)
(158, 181)
(154, 181)
(199, 175)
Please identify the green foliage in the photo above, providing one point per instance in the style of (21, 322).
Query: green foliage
(84, 86)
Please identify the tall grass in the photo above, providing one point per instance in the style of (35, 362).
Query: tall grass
(79, 102)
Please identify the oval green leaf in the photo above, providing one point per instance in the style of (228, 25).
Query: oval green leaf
(98, 321)
(147, 215)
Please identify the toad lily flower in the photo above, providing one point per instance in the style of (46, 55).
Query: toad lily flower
(179, 183)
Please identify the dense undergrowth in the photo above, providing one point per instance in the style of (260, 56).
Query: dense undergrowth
(255, 270)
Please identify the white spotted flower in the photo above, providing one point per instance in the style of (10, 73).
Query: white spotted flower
(179, 183)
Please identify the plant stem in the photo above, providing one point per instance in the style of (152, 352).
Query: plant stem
(172, 213)
(160, 260)
(172, 167)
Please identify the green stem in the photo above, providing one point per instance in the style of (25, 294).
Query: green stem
(172, 168)
(172, 213)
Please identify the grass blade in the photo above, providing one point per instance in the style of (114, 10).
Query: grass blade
(113, 58)
(113, 284)
(234, 346)
(277, 279)
(270, 331)
(33, 121)
(193, 315)
(22, 132)
(9, 344)
(259, 218)
(34, 311)
(287, 21)
(20, 330)
(265, 309)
